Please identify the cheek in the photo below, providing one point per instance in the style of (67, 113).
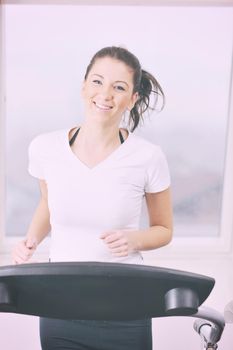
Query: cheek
(124, 102)
(88, 93)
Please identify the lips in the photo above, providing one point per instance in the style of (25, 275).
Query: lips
(102, 106)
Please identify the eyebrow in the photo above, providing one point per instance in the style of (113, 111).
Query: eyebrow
(117, 81)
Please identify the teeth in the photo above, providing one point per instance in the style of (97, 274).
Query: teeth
(102, 106)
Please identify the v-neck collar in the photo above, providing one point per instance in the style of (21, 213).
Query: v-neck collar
(111, 156)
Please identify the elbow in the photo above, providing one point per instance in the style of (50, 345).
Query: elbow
(168, 236)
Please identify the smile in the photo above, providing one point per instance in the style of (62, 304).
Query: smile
(102, 107)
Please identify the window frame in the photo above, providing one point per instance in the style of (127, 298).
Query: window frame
(180, 246)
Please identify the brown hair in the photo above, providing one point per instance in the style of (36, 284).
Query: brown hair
(144, 82)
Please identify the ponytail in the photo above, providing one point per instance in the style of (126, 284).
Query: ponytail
(148, 85)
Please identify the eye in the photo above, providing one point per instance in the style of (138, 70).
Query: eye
(97, 81)
(120, 88)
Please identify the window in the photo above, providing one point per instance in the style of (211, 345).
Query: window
(46, 57)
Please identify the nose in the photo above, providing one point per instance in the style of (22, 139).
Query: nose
(106, 93)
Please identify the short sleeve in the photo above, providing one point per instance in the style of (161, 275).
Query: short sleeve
(157, 174)
(35, 155)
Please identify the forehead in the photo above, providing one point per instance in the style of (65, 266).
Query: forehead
(112, 68)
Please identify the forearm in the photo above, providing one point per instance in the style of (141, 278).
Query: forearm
(40, 224)
(151, 238)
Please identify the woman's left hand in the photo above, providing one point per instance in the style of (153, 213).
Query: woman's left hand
(119, 242)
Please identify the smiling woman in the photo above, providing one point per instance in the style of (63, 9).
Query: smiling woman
(93, 184)
(98, 148)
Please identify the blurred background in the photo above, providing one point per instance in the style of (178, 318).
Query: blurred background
(47, 51)
(188, 47)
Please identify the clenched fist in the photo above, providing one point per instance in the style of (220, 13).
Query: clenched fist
(23, 251)
(119, 242)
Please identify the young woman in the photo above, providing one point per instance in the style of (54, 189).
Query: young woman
(93, 179)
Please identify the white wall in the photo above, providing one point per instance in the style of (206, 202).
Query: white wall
(21, 332)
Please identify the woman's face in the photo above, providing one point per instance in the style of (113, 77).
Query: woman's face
(108, 90)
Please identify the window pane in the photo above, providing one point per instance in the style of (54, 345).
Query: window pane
(46, 56)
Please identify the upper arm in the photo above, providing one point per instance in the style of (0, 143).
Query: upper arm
(160, 208)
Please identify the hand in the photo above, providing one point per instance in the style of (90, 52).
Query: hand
(119, 242)
(23, 251)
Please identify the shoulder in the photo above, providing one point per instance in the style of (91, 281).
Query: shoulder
(49, 137)
(157, 174)
(146, 148)
(48, 141)
(47, 144)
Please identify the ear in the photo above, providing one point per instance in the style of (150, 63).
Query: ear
(134, 99)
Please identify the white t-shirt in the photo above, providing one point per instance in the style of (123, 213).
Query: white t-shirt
(86, 202)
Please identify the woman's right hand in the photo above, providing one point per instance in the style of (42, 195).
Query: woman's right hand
(23, 251)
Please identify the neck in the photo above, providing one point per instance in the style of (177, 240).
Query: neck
(96, 136)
